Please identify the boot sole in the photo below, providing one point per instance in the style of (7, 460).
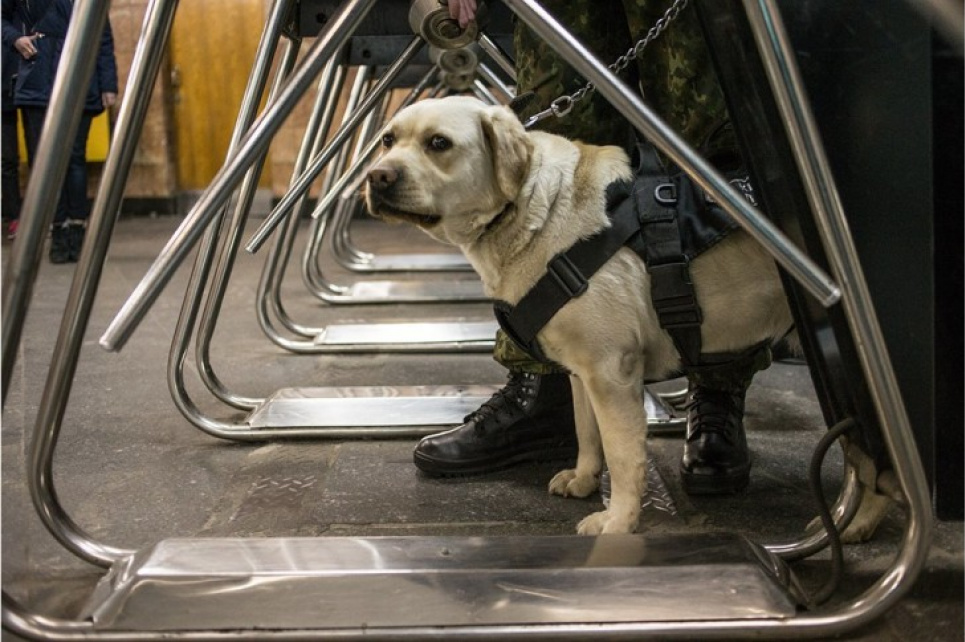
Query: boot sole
(442, 468)
(729, 484)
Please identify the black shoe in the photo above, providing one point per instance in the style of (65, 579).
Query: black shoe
(716, 460)
(529, 419)
(75, 239)
(59, 244)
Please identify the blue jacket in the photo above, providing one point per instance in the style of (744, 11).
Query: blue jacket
(35, 77)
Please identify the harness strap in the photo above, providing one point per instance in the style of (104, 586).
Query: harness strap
(568, 274)
(659, 245)
(649, 224)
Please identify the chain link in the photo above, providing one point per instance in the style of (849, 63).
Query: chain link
(564, 104)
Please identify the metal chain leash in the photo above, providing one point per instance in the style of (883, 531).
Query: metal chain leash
(563, 105)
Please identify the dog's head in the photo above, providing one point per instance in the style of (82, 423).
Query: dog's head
(449, 166)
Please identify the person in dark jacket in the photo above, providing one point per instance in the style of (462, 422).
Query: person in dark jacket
(37, 30)
(10, 153)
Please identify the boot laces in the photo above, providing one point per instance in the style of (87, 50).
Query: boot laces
(517, 392)
(714, 411)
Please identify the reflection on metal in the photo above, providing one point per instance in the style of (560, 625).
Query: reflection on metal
(424, 334)
(449, 291)
(40, 199)
(331, 39)
(370, 411)
(662, 419)
(540, 588)
(843, 511)
(425, 262)
(370, 583)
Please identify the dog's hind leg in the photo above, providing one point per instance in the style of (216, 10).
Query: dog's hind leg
(585, 478)
(623, 429)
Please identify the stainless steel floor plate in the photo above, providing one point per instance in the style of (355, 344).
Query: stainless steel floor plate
(348, 407)
(219, 584)
(413, 263)
(455, 332)
(415, 291)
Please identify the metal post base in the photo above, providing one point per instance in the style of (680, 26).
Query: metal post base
(369, 411)
(410, 292)
(427, 334)
(411, 263)
(369, 583)
(386, 411)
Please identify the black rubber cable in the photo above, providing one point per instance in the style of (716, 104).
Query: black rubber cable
(824, 513)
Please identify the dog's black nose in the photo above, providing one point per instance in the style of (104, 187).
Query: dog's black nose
(380, 178)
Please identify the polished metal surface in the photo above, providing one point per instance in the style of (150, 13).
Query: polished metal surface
(431, 262)
(89, 19)
(777, 55)
(412, 291)
(333, 36)
(662, 419)
(292, 583)
(320, 161)
(461, 332)
(63, 115)
(545, 588)
(401, 410)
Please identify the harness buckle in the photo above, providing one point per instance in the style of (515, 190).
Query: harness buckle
(665, 194)
(567, 275)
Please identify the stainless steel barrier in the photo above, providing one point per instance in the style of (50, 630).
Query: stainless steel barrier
(456, 588)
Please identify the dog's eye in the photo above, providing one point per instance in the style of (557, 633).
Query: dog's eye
(439, 143)
(388, 140)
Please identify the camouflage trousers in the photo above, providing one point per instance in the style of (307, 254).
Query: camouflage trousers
(677, 80)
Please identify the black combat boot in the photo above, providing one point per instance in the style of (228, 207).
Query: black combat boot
(716, 460)
(530, 418)
(75, 239)
(59, 244)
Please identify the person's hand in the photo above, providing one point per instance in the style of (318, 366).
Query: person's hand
(109, 99)
(25, 46)
(462, 11)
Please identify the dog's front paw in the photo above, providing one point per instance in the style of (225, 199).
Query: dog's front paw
(603, 523)
(569, 483)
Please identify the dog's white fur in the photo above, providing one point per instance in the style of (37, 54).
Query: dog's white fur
(511, 200)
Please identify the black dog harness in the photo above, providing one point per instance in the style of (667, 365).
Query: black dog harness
(667, 221)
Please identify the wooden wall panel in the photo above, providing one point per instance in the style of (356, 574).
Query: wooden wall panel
(212, 49)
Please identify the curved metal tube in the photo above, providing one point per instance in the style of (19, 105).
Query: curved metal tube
(777, 54)
(341, 25)
(340, 245)
(268, 299)
(495, 81)
(843, 511)
(80, 50)
(194, 292)
(483, 93)
(357, 169)
(873, 602)
(50, 167)
(231, 240)
(496, 53)
(318, 163)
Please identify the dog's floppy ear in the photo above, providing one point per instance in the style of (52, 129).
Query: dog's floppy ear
(509, 148)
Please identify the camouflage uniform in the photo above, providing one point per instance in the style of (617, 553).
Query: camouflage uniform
(677, 79)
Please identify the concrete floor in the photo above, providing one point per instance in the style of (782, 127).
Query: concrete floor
(131, 470)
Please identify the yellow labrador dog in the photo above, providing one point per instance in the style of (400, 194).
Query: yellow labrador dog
(470, 175)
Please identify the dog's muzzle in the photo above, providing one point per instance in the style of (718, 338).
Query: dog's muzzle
(382, 199)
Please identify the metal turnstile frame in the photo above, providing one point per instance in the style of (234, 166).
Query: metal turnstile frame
(785, 82)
